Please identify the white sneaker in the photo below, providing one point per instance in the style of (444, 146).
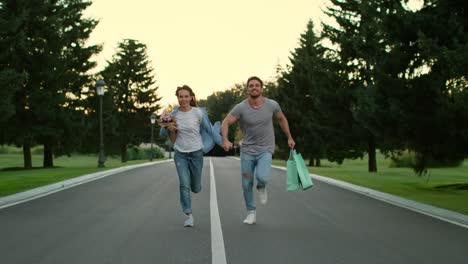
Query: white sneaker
(263, 195)
(250, 219)
(189, 221)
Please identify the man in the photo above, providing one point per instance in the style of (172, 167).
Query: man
(255, 116)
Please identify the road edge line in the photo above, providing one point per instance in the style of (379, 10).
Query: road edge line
(32, 194)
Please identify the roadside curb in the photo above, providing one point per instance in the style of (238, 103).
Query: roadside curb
(433, 211)
(35, 193)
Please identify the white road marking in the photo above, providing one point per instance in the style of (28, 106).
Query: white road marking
(217, 241)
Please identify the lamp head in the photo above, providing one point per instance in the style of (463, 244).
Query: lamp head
(100, 87)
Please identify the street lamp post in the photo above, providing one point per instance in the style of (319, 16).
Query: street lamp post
(153, 120)
(100, 89)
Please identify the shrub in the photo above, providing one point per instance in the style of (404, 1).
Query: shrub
(408, 159)
(139, 153)
(7, 149)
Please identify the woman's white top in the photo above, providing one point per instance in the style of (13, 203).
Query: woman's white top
(188, 130)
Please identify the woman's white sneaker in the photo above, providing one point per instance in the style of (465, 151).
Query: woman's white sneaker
(250, 219)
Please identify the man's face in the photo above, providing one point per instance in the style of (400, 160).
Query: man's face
(254, 89)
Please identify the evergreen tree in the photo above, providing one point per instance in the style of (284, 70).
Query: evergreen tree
(131, 84)
(361, 42)
(434, 114)
(310, 92)
(408, 74)
(295, 96)
(45, 43)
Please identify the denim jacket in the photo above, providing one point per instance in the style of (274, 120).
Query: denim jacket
(211, 134)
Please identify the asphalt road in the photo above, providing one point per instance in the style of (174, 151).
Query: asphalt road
(134, 217)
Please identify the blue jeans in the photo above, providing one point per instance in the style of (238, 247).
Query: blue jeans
(260, 165)
(189, 167)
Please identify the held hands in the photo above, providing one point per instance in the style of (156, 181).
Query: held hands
(227, 145)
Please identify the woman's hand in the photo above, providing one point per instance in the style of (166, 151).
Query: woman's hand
(172, 128)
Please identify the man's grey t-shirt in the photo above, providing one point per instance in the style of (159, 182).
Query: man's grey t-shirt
(257, 126)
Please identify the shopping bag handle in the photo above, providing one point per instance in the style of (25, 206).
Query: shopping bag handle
(291, 153)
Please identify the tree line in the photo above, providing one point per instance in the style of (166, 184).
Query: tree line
(47, 91)
(378, 76)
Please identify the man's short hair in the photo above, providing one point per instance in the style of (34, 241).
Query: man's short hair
(255, 78)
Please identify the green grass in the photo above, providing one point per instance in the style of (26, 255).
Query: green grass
(433, 188)
(13, 180)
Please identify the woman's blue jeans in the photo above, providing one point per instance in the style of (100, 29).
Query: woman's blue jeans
(189, 167)
(260, 165)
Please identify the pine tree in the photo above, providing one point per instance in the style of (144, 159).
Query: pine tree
(434, 114)
(131, 83)
(407, 73)
(362, 41)
(312, 97)
(45, 43)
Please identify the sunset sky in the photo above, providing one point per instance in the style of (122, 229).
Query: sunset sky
(207, 44)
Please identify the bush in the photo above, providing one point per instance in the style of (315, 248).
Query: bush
(404, 159)
(38, 150)
(139, 153)
(7, 149)
(408, 159)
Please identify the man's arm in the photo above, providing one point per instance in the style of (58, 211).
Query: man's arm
(283, 122)
(229, 120)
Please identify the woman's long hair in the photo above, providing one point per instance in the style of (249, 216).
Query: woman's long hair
(193, 102)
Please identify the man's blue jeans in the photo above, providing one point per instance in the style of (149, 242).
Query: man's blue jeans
(257, 166)
(189, 167)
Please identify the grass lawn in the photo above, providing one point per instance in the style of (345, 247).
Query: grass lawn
(433, 188)
(13, 180)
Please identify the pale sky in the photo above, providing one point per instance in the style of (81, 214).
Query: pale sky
(207, 44)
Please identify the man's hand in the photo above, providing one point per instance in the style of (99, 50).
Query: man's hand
(291, 143)
(228, 120)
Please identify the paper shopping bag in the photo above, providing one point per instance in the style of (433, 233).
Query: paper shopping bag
(292, 177)
(304, 177)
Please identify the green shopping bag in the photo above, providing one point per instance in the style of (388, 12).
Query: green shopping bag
(304, 177)
(292, 177)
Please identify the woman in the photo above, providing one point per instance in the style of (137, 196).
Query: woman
(185, 134)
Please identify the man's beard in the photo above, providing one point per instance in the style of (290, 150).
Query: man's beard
(255, 96)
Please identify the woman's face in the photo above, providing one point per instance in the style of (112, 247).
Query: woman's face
(184, 98)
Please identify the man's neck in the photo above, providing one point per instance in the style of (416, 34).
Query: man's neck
(256, 102)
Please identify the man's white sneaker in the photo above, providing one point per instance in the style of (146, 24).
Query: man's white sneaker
(263, 195)
(250, 219)
(189, 221)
